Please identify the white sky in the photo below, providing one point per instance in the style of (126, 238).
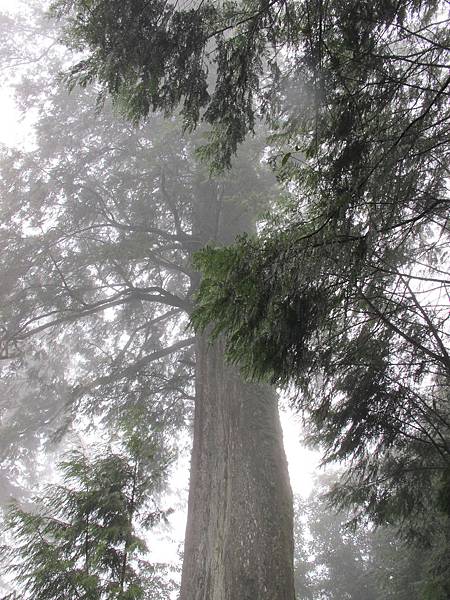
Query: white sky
(10, 132)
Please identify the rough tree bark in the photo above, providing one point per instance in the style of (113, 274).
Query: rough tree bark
(239, 540)
(239, 533)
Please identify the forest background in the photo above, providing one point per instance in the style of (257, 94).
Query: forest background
(62, 286)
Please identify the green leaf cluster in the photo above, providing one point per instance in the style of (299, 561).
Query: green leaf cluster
(83, 538)
(243, 292)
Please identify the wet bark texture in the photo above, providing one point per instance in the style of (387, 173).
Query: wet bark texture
(239, 540)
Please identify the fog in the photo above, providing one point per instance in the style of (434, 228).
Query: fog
(116, 412)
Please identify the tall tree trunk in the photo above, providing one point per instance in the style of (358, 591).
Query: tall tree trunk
(239, 540)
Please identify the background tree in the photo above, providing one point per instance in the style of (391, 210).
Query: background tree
(336, 561)
(100, 248)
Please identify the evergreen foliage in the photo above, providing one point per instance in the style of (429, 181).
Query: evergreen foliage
(152, 56)
(228, 63)
(345, 292)
(83, 538)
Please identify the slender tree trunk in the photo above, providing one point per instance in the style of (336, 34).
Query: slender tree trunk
(126, 546)
(239, 540)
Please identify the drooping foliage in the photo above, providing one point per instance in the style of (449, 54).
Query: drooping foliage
(83, 538)
(224, 62)
(367, 188)
(207, 57)
(345, 292)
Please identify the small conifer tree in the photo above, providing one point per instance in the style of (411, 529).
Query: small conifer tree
(82, 539)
